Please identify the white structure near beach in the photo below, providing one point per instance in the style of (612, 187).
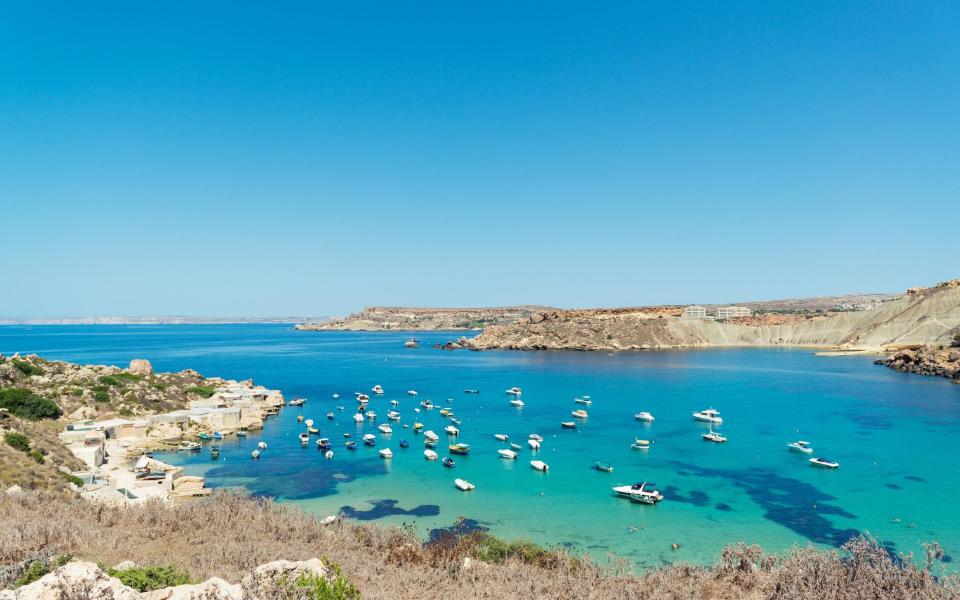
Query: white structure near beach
(695, 312)
(729, 312)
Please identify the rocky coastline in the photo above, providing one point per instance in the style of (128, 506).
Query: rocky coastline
(927, 360)
(384, 318)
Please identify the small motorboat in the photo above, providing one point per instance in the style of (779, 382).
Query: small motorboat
(470, 391)
(361, 397)
(540, 465)
(394, 403)
(568, 424)
(515, 391)
(346, 435)
(448, 462)
(534, 444)
(308, 422)
(709, 415)
(580, 413)
(516, 447)
(262, 445)
(241, 433)
(824, 462)
(358, 418)
(501, 436)
(335, 396)
(404, 443)
(801, 446)
(189, 446)
(297, 402)
(464, 485)
(411, 343)
(214, 452)
(299, 418)
(411, 392)
(517, 402)
(587, 401)
(313, 430)
(643, 416)
(384, 428)
(451, 430)
(713, 436)
(430, 435)
(504, 453)
(534, 436)
(304, 438)
(386, 453)
(459, 448)
(328, 454)
(340, 407)
(330, 415)
(351, 445)
(324, 444)
(255, 454)
(603, 466)
(203, 435)
(446, 412)
(370, 439)
(430, 454)
(455, 420)
(218, 435)
(417, 426)
(428, 443)
(639, 444)
(371, 415)
(644, 493)
(377, 389)
(426, 404)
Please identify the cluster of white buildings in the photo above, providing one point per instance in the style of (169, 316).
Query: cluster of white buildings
(724, 312)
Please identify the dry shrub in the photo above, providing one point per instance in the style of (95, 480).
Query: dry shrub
(230, 533)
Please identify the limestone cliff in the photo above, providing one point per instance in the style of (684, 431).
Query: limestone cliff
(383, 318)
(923, 316)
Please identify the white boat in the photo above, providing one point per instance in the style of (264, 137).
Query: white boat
(824, 462)
(426, 404)
(515, 391)
(371, 415)
(328, 454)
(505, 453)
(639, 444)
(539, 465)
(451, 430)
(386, 453)
(501, 436)
(801, 446)
(580, 414)
(534, 436)
(393, 415)
(430, 435)
(308, 422)
(394, 403)
(713, 436)
(304, 438)
(189, 446)
(377, 389)
(583, 400)
(369, 438)
(516, 402)
(430, 454)
(645, 492)
(297, 402)
(358, 417)
(534, 444)
(516, 447)
(384, 428)
(335, 396)
(643, 416)
(362, 397)
(455, 420)
(262, 445)
(255, 454)
(411, 392)
(299, 418)
(464, 485)
(709, 415)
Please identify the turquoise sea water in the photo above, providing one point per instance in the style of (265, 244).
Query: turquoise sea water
(893, 434)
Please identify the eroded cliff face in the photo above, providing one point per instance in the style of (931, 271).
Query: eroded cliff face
(381, 318)
(924, 316)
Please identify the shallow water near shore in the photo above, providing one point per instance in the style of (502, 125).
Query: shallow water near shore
(891, 432)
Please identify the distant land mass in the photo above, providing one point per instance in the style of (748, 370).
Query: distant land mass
(394, 318)
(167, 320)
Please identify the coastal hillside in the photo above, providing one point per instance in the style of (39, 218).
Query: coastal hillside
(923, 316)
(384, 318)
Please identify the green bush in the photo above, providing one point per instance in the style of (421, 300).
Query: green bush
(956, 341)
(101, 395)
(494, 550)
(76, 392)
(109, 380)
(147, 579)
(37, 456)
(27, 405)
(124, 376)
(202, 390)
(17, 440)
(315, 587)
(27, 368)
(71, 478)
(39, 568)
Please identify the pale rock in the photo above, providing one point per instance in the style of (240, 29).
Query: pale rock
(76, 580)
(140, 366)
(266, 577)
(124, 565)
(211, 589)
(14, 490)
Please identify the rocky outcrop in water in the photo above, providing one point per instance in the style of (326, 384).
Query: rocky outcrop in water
(923, 316)
(381, 318)
(939, 362)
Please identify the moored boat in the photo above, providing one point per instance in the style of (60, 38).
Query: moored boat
(384, 428)
(404, 443)
(464, 485)
(709, 415)
(370, 439)
(645, 492)
(639, 444)
(535, 436)
(393, 415)
(603, 466)
(371, 415)
(504, 453)
(451, 430)
(358, 418)
(297, 402)
(644, 416)
(430, 454)
(330, 415)
(515, 391)
(568, 424)
(188, 446)
(801, 446)
(350, 444)
(255, 454)
(313, 430)
(324, 443)
(386, 453)
(517, 402)
(262, 445)
(459, 448)
(501, 436)
(304, 438)
(214, 452)
(448, 462)
(713, 436)
(203, 435)
(378, 389)
(585, 401)
(539, 465)
(580, 414)
(328, 454)
(824, 462)
(430, 435)
(411, 392)
(534, 444)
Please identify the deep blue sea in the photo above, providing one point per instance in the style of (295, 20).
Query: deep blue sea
(893, 433)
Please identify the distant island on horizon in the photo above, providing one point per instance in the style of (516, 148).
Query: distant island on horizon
(158, 320)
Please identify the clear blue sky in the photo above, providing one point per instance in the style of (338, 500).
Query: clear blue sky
(239, 158)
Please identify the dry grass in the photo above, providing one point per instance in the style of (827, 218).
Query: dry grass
(229, 534)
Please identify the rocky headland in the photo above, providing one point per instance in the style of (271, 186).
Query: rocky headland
(927, 360)
(384, 318)
(923, 316)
